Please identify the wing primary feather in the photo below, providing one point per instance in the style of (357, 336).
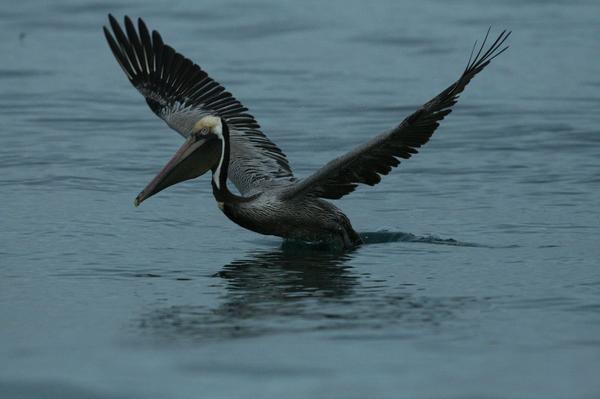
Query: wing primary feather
(118, 54)
(135, 44)
(471, 56)
(157, 50)
(483, 43)
(147, 48)
(123, 43)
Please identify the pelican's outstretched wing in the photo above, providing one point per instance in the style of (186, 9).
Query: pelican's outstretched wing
(180, 93)
(379, 155)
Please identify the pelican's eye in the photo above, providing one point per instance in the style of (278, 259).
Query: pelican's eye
(201, 133)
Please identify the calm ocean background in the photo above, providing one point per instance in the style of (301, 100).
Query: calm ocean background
(491, 291)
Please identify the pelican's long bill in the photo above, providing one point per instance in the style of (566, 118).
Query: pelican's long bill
(194, 158)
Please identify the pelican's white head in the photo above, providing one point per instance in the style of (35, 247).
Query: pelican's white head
(210, 124)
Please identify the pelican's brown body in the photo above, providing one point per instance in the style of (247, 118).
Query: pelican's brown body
(270, 212)
(221, 136)
(305, 219)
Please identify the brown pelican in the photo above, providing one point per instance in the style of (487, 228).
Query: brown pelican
(222, 136)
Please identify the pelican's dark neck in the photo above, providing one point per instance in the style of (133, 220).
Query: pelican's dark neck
(219, 180)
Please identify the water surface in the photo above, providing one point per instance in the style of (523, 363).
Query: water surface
(481, 279)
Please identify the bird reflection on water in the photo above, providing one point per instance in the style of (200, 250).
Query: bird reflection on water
(293, 271)
(260, 290)
(300, 288)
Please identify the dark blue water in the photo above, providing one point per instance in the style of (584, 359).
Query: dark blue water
(482, 278)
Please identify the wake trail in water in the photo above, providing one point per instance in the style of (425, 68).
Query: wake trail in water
(380, 237)
(383, 237)
(386, 236)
